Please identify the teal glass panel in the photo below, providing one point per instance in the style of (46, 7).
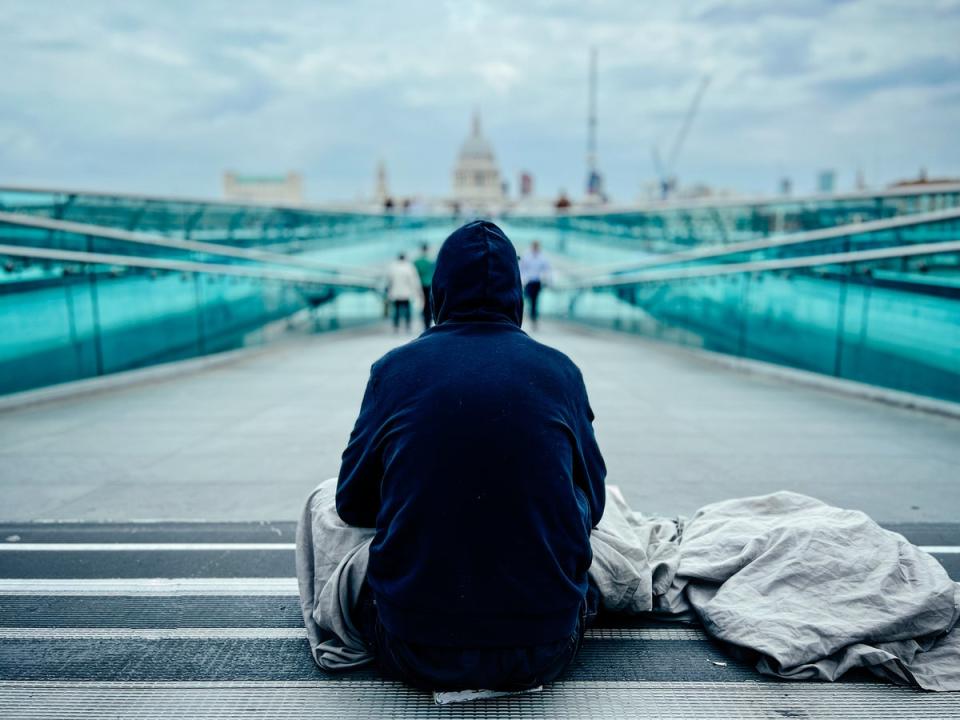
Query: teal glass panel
(47, 332)
(62, 322)
(882, 323)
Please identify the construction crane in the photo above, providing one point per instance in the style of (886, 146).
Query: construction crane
(667, 172)
(594, 178)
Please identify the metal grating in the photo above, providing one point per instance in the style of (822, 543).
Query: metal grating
(281, 633)
(251, 659)
(231, 611)
(364, 700)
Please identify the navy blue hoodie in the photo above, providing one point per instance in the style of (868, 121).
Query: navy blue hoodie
(475, 459)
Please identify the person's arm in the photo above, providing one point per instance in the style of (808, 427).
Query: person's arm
(591, 471)
(546, 272)
(361, 471)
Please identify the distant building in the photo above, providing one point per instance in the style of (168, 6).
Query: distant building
(283, 189)
(383, 187)
(923, 179)
(595, 185)
(826, 181)
(476, 178)
(526, 184)
(861, 180)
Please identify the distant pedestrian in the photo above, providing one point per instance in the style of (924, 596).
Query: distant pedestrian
(425, 265)
(403, 288)
(534, 273)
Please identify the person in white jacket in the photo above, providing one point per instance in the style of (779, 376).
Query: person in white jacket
(403, 288)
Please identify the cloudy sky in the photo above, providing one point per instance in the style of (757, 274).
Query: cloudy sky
(163, 96)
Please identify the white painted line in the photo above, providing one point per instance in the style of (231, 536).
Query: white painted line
(941, 549)
(244, 546)
(57, 633)
(153, 587)
(263, 633)
(141, 547)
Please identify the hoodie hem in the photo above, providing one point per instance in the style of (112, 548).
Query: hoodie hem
(476, 631)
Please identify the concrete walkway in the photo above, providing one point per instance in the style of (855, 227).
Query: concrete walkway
(248, 440)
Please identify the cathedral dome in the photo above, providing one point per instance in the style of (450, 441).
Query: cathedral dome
(476, 145)
(476, 178)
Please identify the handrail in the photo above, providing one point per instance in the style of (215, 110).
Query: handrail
(660, 206)
(74, 256)
(838, 231)
(108, 233)
(843, 258)
(649, 207)
(186, 199)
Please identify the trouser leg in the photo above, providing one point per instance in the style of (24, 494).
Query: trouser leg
(533, 292)
(405, 311)
(396, 314)
(427, 313)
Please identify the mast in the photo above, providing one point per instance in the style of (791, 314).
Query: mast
(592, 175)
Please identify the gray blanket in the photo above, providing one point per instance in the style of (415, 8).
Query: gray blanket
(808, 590)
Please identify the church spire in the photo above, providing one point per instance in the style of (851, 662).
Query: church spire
(476, 122)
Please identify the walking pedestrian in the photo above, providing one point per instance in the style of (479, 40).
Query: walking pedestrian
(403, 287)
(534, 273)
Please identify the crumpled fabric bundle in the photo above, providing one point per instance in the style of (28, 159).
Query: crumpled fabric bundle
(815, 591)
(806, 590)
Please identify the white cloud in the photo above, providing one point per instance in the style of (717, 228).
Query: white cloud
(163, 97)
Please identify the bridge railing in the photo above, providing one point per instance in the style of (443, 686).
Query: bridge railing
(67, 315)
(903, 231)
(889, 316)
(242, 224)
(41, 232)
(677, 226)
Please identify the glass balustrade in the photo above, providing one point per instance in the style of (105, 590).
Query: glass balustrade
(62, 321)
(893, 322)
(753, 290)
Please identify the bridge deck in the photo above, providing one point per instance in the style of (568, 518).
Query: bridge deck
(87, 629)
(246, 441)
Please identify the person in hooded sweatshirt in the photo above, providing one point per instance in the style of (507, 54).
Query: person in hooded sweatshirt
(474, 458)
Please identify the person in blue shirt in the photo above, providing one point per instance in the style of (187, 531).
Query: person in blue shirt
(534, 273)
(474, 457)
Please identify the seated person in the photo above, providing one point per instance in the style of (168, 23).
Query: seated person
(474, 458)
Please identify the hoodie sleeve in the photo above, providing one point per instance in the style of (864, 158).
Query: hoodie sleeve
(361, 471)
(591, 471)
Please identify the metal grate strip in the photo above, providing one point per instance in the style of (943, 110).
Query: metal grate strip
(343, 701)
(282, 633)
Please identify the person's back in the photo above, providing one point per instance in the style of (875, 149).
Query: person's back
(475, 459)
(425, 266)
(403, 283)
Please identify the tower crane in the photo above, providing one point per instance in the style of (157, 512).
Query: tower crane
(667, 172)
